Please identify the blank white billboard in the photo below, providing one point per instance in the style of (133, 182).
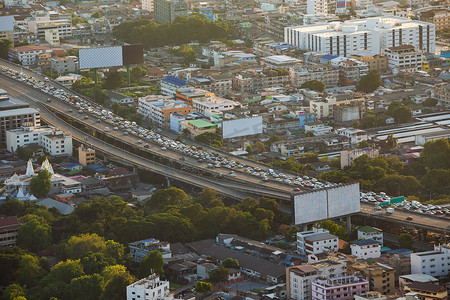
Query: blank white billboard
(104, 57)
(328, 203)
(242, 127)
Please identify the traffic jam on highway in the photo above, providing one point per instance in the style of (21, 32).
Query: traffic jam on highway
(213, 160)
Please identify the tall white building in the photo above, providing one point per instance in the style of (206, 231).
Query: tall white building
(148, 288)
(404, 58)
(373, 34)
(434, 263)
(316, 241)
(317, 7)
(147, 5)
(366, 249)
(55, 142)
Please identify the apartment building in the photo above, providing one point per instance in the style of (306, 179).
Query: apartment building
(57, 143)
(7, 27)
(373, 34)
(64, 64)
(404, 58)
(140, 249)
(149, 288)
(159, 111)
(440, 17)
(365, 249)
(254, 81)
(147, 5)
(206, 106)
(427, 290)
(316, 241)
(280, 61)
(347, 157)
(216, 84)
(350, 70)
(299, 281)
(317, 7)
(267, 47)
(170, 84)
(86, 155)
(380, 276)
(325, 73)
(370, 233)
(441, 92)
(27, 55)
(63, 27)
(434, 263)
(14, 118)
(375, 62)
(343, 288)
(165, 11)
(324, 108)
(189, 94)
(9, 228)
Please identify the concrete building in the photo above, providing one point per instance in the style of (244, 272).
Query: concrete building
(54, 141)
(380, 276)
(376, 62)
(365, 249)
(355, 136)
(140, 249)
(346, 113)
(350, 70)
(165, 11)
(188, 94)
(64, 64)
(347, 157)
(14, 118)
(86, 155)
(51, 36)
(206, 106)
(120, 98)
(280, 61)
(220, 84)
(324, 108)
(325, 73)
(299, 281)
(197, 127)
(405, 280)
(370, 233)
(9, 228)
(426, 290)
(149, 288)
(440, 17)
(373, 34)
(339, 288)
(147, 5)
(434, 263)
(7, 28)
(159, 112)
(318, 128)
(254, 81)
(441, 92)
(317, 7)
(27, 55)
(170, 85)
(403, 58)
(316, 241)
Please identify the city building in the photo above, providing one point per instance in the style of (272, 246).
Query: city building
(267, 47)
(280, 61)
(51, 36)
(321, 72)
(207, 106)
(369, 233)
(159, 112)
(255, 81)
(403, 58)
(27, 55)
(86, 155)
(170, 84)
(441, 92)
(318, 128)
(7, 28)
(324, 108)
(434, 263)
(197, 127)
(54, 141)
(339, 288)
(140, 249)
(188, 94)
(316, 241)
(165, 11)
(220, 84)
(226, 58)
(317, 7)
(405, 280)
(440, 17)
(373, 34)
(9, 228)
(380, 276)
(376, 62)
(147, 5)
(149, 288)
(365, 249)
(355, 136)
(350, 70)
(347, 157)
(14, 118)
(120, 98)
(426, 290)
(64, 64)
(299, 281)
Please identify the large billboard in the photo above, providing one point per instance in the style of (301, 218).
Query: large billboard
(314, 206)
(116, 56)
(242, 127)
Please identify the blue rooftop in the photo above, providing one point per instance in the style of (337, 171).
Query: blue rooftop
(328, 57)
(96, 168)
(175, 81)
(73, 165)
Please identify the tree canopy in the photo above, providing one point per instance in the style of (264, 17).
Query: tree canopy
(314, 85)
(399, 112)
(41, 184)
(370, 82)
(152, 263)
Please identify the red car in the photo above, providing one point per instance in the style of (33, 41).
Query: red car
(296, 190)
(409, 218)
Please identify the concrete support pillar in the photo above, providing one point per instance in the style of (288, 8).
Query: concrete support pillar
(305, 227)
(105, 158)
(349, 224)
(168, 182)
(423, 233)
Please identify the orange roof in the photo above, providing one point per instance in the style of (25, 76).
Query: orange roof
(59, 52)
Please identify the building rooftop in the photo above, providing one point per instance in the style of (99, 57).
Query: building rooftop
(303, 270)
(419, 277)
(366, 242)
(19, 111)
(320, 237)
(64, 209)
(9, 223)
(368, 229)
(200, 123)
(426, 286)
(175, 81)
(6, 23)
(30, 48)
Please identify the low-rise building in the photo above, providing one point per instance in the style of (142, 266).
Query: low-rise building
(318, 128)
(7, 28)
(405, 280)
(140, 249)
(280, 61)
(149, 288)
(324, 108)
(159, 111)
(316, 241)
(350, 69)
(86, 155)
(339, 288)
(370, 233)
(64, 64)
(441, 92)
(347, 157)
(189, 94)
(365, 249)
(321, 72)
(197, 127)
(253, 81)
(380, 276)
(299, 281)
(205, 106)
(355, 135)
(434, 263)
(376, 62)
(403, 58)
(170, 84)
(427, 291)
(9, 228)
(27, 55)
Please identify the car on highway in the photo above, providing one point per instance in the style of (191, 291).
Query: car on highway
(409, 218)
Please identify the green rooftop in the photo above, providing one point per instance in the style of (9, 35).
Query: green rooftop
(368, 229)
(202, 124)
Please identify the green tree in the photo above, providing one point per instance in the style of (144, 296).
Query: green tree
(5, 46)
(95, 262)
(436, 154)
(114, 80)
(23, 153)
(399, 112)
(437, 180)
(314, 85)
(96, 15)
(260, 148)
(137, 72)
(391, 141)
(30, 270)
(249, 149)
(405, 241)
(41, 184)
(151, 263)
(219, 275)
(363, 144)
(34, 236)
(65, 271)
(370, 82)
(169, 196)
(430, 102)
(117, 278)
(309, 134)
(334, 228)
(88, 287)
(14, 292)
(203, 287)
(231, 263)
(78, 246)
